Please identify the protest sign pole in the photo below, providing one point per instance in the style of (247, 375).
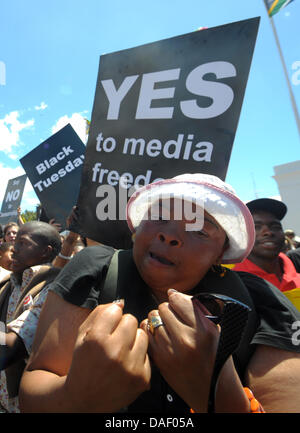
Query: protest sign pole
(292, 98)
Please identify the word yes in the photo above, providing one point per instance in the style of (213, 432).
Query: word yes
(221, 94)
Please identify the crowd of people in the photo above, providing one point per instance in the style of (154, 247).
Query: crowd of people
(88, 328)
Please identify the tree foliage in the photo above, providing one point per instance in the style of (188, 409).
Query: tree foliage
(28, 215)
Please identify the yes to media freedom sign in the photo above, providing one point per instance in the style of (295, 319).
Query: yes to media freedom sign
(12, 199)
(160, 110)
(54, 170)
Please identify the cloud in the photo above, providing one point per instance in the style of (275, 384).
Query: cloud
(42, 106)
(10, 128)
(13, 156)
(78, 123)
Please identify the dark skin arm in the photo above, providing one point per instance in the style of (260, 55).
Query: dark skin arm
(84, 361)
(273, 376)
(12, 351)
(20, 219)
(69, 243)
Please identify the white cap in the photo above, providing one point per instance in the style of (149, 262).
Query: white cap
(217, 198)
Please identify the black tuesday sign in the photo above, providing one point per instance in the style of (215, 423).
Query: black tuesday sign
(54, 170)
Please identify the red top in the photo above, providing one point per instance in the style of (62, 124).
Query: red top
(290, 278)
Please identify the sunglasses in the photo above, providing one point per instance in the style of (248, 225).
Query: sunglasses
(232, 316)
(217, 305)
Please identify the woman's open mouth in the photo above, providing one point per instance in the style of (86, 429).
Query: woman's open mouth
(161, 259)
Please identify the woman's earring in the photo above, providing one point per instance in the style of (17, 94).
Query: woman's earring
(222, 271)
(219, 269)
(133, 237)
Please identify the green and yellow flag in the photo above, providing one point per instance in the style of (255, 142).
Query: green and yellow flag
(274, 6)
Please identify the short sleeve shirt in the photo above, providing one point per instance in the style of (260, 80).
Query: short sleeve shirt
(289, 284)
(290, 278)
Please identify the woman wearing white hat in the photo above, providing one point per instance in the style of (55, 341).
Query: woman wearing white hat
(98, 361)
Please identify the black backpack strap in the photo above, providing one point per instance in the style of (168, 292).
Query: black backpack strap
(109, 290)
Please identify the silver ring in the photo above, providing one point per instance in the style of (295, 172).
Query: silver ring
(154, 323)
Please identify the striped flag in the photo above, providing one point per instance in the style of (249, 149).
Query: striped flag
(274, 6)
(87, 125)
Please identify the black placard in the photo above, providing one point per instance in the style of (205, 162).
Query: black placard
(12, 199)
(54, 170)
(160, 110)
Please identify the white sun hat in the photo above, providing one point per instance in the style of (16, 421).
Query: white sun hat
(215, 196)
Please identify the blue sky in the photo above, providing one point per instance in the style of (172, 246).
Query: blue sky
(49, 56)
